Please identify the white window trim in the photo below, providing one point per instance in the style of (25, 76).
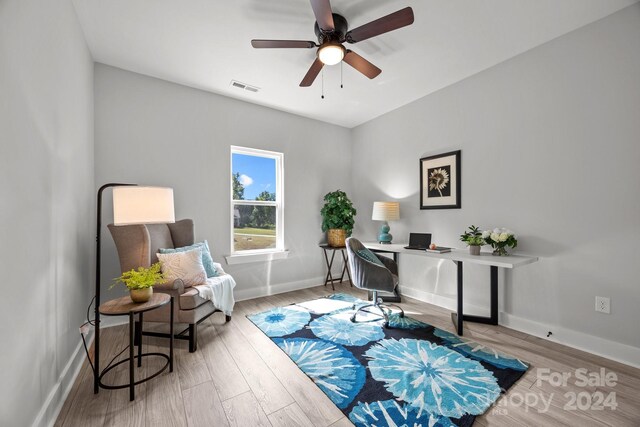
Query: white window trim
(243, 258)
(279, 252)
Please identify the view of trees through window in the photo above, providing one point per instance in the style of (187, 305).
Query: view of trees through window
(255, 208)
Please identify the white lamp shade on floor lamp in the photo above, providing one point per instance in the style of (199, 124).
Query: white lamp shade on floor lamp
(142, 205)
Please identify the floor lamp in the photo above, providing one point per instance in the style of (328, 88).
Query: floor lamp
(132, 204)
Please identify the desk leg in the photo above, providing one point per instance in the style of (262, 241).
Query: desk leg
(493, 317)
(458, 317)
(131, 358)
(494, 295)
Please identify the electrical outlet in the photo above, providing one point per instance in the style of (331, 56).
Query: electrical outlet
(603, 305)
(84, 330)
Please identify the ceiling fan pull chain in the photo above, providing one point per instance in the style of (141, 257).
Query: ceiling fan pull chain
(322, 96)
(341, 75)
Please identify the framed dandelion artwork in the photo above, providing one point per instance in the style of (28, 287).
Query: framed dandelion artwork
(440, 181)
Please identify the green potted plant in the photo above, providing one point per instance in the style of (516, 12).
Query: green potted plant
(337, 217)
(140, 281)
(473, 238)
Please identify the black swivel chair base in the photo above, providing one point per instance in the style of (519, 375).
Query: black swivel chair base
(384, 310)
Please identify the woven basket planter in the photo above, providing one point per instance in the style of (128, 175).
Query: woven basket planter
(336, 237)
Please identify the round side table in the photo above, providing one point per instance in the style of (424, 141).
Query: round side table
(125, 307)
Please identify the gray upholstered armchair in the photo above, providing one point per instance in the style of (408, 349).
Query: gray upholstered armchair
(374, 274)
(137, 246)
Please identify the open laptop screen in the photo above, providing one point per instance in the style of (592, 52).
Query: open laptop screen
(419, 240)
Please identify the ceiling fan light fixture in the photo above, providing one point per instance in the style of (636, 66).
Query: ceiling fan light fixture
(331, 53)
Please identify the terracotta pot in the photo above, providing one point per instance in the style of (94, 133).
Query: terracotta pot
(474, 250)
(141, 295)
(336, 237)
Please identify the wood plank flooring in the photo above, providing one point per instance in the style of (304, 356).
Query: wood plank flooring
(238, 377)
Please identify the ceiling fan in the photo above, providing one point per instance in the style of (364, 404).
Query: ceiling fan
(332, 31)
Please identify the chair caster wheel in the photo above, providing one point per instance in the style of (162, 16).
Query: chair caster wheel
(353, 318)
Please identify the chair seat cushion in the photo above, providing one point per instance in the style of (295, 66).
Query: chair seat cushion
(218, 290)
(191, 299)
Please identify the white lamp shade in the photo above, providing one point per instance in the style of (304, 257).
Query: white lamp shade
(142, 205)
(385, 211)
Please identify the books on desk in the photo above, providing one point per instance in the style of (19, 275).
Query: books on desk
(439, 250)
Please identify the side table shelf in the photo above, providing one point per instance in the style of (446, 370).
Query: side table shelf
(125, 307)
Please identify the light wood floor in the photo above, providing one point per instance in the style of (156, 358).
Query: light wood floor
(238, 377)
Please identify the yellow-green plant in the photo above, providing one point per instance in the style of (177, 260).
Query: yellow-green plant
(141, 278)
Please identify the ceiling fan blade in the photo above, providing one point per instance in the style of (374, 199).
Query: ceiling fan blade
(323, 13)
(361, 64)
(312, 73)
(391, 22)
(266, 44)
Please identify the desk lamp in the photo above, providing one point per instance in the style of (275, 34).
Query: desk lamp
(385, 211)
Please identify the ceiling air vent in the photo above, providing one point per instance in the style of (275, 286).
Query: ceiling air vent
(244, 86)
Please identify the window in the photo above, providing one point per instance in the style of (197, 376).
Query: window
(256, 201)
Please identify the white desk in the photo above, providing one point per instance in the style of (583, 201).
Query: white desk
(460, 256)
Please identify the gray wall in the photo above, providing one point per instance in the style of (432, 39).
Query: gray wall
(550, 149)
(46, 191)
(158, 133)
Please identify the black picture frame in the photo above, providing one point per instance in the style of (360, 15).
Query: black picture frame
(443, 171)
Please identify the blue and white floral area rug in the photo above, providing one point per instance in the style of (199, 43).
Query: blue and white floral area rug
(411, 374)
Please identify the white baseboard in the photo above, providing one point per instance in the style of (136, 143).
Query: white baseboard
(592, 344)
(579, 340)
(58, 395)
(263, 291)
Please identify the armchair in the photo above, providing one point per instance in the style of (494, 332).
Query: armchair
(137, 246)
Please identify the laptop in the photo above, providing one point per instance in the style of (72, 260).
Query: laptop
(419, 241)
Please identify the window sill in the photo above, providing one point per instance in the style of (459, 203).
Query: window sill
(256, 257)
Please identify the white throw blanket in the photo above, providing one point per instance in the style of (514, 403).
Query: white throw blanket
(219, 290)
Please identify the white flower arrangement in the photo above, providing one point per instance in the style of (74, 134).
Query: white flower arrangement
(499, 239)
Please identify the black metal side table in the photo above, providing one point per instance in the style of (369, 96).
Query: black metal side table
(124, 306)
(329, 279)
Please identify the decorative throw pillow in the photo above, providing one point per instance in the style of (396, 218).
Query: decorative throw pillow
(186, 266)
(207, 261)
(219, 269)
(370, 256)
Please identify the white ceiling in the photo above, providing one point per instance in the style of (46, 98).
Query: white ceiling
(206, 43)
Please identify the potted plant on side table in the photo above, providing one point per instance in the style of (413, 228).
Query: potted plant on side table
(140, 282)
(473, 238)
(337, 217)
